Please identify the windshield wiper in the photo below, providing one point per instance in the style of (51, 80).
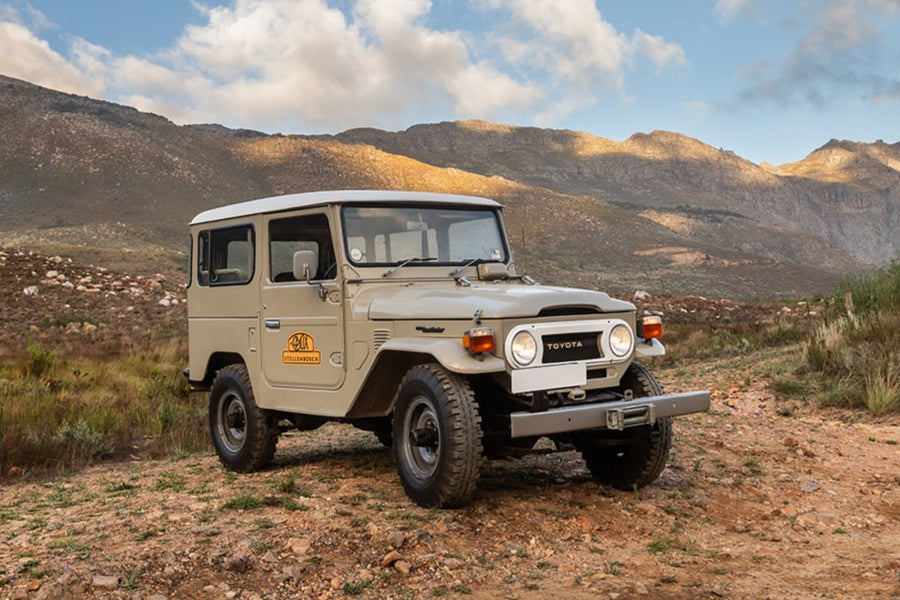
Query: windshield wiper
(469, 263)
(396, 268)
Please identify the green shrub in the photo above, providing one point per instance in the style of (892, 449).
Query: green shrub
(856, 351)
(64, 412)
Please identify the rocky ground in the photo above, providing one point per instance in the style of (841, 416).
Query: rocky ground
(764, 497)
(61, 305)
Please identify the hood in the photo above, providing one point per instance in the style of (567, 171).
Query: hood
(422, 301)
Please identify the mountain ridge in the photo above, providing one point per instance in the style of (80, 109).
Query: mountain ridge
(81, 174)
(666, 171)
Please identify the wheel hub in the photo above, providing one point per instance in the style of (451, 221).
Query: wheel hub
(424, 437)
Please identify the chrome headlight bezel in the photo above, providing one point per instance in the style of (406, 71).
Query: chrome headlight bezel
(621, 340)
(523, 348)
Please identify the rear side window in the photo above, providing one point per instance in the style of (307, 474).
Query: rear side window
(225, 256)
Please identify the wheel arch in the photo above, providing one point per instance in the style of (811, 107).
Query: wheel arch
(397, 356)
(376, 397)
(216, 362)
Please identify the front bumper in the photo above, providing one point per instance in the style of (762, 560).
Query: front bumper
(607, 415)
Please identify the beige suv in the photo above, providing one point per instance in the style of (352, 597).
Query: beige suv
(403, 314)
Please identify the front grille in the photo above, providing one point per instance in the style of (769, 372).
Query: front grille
(569, 347)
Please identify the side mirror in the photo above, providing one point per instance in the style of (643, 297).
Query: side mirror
(306, 265)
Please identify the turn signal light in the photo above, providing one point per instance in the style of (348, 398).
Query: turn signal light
(479, 340)
(650, 327)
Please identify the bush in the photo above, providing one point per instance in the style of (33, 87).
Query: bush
(64, 412)
(857, 350)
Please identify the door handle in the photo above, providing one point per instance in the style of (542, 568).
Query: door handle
(273, 324)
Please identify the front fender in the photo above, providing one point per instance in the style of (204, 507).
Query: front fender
(449, 353)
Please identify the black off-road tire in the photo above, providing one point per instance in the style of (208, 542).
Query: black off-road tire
(643, 451)
(441, 406)
(244, 434)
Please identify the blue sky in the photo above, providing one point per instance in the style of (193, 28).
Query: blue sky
(768, 79)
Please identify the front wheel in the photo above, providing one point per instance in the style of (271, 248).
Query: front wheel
(244, 434)
(437, 437)
(635, 457)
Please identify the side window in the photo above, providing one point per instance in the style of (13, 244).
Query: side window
(225, 256)
(292, 234)
(203, 258)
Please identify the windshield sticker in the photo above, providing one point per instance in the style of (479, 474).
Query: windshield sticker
(301, 350)
(495, 254)
(355, 254)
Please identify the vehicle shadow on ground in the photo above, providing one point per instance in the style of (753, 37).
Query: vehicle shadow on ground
(342, 449)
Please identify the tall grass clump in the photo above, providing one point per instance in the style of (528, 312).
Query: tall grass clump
(61, 412)
(856, 350)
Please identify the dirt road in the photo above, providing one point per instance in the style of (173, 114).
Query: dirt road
(763, 498)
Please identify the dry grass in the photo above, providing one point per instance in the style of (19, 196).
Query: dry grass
(855, 353)
(65, 412)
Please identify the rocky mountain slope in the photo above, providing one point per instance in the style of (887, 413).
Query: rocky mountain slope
(846, 193)
(80, 177)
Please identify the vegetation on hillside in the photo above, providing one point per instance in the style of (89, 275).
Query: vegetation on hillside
(856, 351)
(65, 412)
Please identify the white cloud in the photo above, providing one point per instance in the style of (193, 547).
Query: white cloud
(571, 40)
(658, 50)
(732, 9)
(24, 56)
(306, 66)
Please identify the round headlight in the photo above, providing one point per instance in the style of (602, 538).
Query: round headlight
(620, 340)
(523, 348)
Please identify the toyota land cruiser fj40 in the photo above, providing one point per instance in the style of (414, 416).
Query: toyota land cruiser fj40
(403, 313)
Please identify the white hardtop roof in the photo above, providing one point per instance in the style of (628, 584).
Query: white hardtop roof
(310, 199)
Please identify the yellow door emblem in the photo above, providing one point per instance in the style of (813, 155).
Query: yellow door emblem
(301, 350)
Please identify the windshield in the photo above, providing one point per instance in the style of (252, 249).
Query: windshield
(389, 235)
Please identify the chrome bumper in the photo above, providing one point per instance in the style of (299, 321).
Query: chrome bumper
(607, 415)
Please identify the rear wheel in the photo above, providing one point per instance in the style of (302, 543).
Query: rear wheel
(437, 437)
(244, 434)
(634, 457)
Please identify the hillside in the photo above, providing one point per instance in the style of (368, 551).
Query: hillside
(845, 193)
(91, 179)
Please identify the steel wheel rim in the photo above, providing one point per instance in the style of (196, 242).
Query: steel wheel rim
(422, 460)
(232, 422)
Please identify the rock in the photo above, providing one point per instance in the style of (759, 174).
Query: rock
(299, 546)
(52, 274)
(642, 295)
(31, 290)
(809, 486)
(239, 562)
(105, 582)
(50, 591)
(396, 538)
(402, 567)
(68, 578)
(390, 558)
